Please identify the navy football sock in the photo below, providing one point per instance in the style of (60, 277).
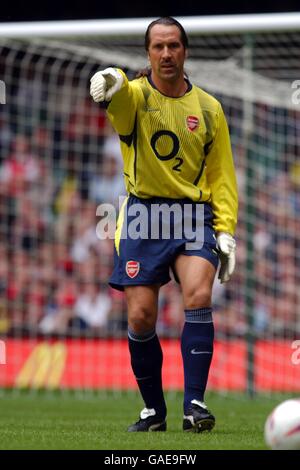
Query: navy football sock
(197, 349)
(146, 361)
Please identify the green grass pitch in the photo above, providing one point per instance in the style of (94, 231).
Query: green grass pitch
(98, 421)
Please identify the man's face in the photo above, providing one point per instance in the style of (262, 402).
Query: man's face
(166, 52)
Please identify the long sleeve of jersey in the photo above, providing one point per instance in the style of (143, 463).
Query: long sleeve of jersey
(123, 102)
(221, 178)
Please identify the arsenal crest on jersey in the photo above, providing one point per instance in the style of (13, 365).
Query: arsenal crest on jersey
(132, 268)
(192, 123)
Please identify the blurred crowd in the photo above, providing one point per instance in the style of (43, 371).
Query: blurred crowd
(60, 159)
(263, 298)
(54, 269)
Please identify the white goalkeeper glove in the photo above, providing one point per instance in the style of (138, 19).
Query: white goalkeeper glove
(105, 84)
(226, 245)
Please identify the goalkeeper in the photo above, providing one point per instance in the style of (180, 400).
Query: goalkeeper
(176, 149)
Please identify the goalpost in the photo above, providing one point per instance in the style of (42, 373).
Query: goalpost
(60, 324)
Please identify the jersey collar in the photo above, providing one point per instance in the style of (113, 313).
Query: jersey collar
(187, 91)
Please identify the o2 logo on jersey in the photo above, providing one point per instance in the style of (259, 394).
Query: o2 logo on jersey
(192, 123)
(175, 146)
(174, 150)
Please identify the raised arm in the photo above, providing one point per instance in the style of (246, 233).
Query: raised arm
(112, 87)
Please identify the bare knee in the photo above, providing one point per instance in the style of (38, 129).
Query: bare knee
(142, 308)
(141, 320)
(198, 297)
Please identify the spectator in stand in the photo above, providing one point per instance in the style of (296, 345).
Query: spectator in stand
(18, 281)
(61, 311)
(92, 308)
(35, 303)
(85, 237)
(108, 185)
(111, 148)
(4, 270)
(29, 227)
(20, 169)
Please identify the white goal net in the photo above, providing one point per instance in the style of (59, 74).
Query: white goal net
(61, 326)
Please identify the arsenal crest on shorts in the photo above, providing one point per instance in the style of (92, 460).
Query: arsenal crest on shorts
(192, 123)
(132, 268)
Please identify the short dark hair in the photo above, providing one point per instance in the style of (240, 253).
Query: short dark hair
(168, 21)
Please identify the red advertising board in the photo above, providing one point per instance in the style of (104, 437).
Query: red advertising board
(105, 364)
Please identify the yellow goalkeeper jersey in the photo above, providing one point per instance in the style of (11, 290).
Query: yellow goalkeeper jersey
(176, 147)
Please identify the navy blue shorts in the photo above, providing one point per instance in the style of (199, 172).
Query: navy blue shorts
(151, 233)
